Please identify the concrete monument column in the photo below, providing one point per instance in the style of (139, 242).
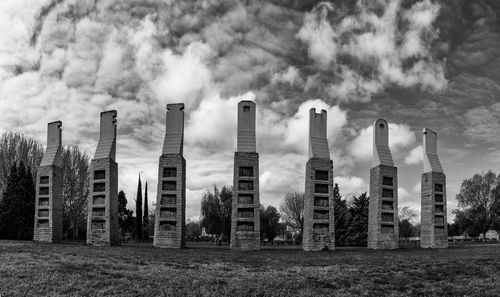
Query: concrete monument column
(383, 229)
(245, 218)
(49, 183)
(433, 224)
(170, 212)
(102, 225)
(319, 221)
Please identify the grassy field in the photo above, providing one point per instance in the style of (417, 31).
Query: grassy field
(30, 269)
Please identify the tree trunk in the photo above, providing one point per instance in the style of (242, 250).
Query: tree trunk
(74, 231)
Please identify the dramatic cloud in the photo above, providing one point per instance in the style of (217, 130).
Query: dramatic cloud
(319, 35)
(70, 59)
(390, 44)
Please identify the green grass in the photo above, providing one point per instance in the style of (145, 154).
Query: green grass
(30, 269)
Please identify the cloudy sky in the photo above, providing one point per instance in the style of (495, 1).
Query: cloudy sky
(433, 64)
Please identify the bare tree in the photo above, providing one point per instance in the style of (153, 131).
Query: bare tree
(16, 148)
(292, 210)
(407, 213)
(75, 186)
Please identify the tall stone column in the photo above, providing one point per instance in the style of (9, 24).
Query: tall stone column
(170, 212)
(102, 225)
(383, 229)
(319, 220)
(433, 225)
(245, 217)
(49, 182)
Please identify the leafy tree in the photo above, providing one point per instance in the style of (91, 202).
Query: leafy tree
(125, 216)
(193, 230)
(270, 225)
(467, 222)
(138, 210)
(407, 226)
(479, 198)
(453, 230)
(14, 149)
(145, 217)
(216, 211)
(226, 197)
(17, 208)
(292, 211)
(358, 220)
(407, 213)
(341, 217)
(405, 229)
(75, 165)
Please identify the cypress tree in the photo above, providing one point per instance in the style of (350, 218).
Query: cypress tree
(7, 205)
(28, 196)
(17, 208)
(341, 217)
(145, 218)
(138, 212)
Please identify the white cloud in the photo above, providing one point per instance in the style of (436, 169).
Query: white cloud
(186, 78)
(16, 27)
(351, 185)
(400, 136)
(372, 37)
(319, 35)
(403, 194)
(213, 125)
(290, 76)
(297, 127)
(415, 156)
(407, 199)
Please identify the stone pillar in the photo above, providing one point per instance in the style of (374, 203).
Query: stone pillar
(245, 217)
(49, 181)
(319, 221)
(170, 212)
(102, 225)
(383, 229)
(433, 224)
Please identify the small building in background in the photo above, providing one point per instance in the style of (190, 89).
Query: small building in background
(491, 235)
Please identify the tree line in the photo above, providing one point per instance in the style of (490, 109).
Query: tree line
(20, 157)
(478, 203)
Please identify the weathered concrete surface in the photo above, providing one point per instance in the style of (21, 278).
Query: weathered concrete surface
(246, 127)
(319, 220)
(106, 148)
(174, 132)
(383, 232)
(383, 229)
(49, 181)
(381, 152)
(245, 218)
(433, 224)
(170, 212)
(318, 144)
(102, 224)
(52, 156)
(431, 159)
